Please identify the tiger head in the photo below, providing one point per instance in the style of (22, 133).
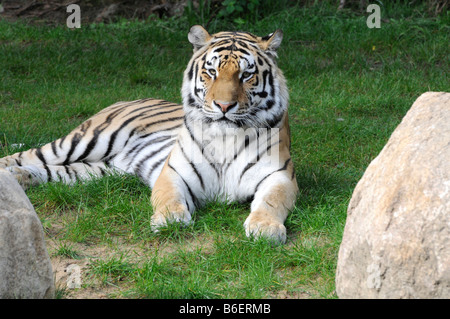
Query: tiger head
(232, 80)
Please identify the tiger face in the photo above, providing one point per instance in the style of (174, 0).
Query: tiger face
(233, 80)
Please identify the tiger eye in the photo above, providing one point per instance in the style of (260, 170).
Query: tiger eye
(246, 75)
(212, 72)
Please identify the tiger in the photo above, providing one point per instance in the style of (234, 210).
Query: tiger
(229, 140)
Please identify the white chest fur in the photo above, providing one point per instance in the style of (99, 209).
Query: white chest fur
(224, 163)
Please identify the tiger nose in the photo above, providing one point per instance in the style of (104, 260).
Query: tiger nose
(224, 106)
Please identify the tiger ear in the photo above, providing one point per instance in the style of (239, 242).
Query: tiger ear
(271, 42)
(198, 36)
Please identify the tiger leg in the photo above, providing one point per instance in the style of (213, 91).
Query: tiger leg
(170, 199)
(75, 152)
(272, 202)
(89, 142)
(32, 175)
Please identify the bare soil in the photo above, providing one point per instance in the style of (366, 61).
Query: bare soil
(55, 12)
(92, 286)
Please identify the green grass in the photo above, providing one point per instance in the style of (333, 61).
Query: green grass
(66, 250)
(349, 85)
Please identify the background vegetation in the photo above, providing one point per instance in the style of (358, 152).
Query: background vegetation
(349, 85)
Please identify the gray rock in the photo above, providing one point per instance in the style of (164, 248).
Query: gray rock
(396, 241)
(25, 268)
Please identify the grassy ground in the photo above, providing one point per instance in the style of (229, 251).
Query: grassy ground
(349, 86)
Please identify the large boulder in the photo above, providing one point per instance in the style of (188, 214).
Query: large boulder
(396, 241)
(25, 268)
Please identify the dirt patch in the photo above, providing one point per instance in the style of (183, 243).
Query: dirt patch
(74, 278)
(285, 294)
(55, 12)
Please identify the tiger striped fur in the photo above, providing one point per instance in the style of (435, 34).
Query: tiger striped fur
(229, 140)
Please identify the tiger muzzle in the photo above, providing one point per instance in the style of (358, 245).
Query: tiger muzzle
(224, 106)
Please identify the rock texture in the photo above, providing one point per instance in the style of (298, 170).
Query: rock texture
(25, 268)
(396, 241)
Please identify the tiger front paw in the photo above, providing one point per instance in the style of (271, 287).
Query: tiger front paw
(175, 213)
(261, 225)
